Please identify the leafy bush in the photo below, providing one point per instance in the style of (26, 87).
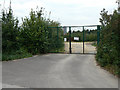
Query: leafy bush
(10, 31)
(15, 55)
(34, 36)
(38, 36)
(109, 46)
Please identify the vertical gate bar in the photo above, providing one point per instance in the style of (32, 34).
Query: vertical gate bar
(83, 40)
(98, 34)
(57, 37)
(70, 51)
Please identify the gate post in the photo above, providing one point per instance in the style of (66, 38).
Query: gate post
(98, 34)
(70, 51)
(83, 40)
(57, 38)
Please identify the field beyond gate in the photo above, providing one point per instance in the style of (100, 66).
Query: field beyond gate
(77, 47)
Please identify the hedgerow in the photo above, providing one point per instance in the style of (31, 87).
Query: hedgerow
(108, 50)
(32, 37)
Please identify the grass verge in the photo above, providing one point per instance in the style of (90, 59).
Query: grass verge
(94, 44)
(7, 56)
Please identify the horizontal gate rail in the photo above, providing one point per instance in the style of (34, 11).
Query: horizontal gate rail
(83, 26)
(76, 26)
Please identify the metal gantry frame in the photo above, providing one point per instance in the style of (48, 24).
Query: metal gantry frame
(70, 48)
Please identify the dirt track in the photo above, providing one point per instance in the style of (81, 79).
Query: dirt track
(77, 47)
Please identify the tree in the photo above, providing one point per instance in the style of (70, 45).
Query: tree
(109, 46)
(36, 34)
(10, 31)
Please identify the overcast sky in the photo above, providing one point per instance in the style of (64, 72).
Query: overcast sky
(67, 12)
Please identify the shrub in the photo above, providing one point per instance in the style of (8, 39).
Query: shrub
(109, 46)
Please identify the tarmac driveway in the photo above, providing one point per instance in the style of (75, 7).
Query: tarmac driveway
(56, 71)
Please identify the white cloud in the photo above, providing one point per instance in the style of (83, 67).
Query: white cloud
(68, 12)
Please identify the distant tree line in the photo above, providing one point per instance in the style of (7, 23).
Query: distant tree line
(108, 50)
(32, 37)
(89, 35)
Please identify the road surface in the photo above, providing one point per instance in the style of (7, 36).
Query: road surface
(56, 71)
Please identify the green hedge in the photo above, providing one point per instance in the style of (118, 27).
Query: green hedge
(33, 36)
(108, 50)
